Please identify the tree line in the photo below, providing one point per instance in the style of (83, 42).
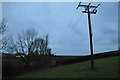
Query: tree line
(28, 42)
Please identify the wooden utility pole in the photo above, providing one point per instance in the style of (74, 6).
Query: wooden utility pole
(90, 10)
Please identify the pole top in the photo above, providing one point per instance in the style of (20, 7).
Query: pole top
(89, 6)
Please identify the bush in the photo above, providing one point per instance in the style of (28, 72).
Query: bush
(15, 66)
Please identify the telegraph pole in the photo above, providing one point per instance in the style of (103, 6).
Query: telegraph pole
(90, 10)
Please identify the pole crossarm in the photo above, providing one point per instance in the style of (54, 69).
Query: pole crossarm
(89, 6)
(91, 12)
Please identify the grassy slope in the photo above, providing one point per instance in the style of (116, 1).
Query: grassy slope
(104, 68)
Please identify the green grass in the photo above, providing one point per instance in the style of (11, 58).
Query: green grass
(104, 68)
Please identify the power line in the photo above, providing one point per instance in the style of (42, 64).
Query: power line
(66, 33)
(72, 26)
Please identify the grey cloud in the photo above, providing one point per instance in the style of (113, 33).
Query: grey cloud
(65, 36)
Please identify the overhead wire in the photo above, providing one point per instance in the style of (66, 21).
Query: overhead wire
(65, 34)
(75, 26)
(68, 34)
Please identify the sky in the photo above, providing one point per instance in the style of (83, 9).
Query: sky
(67, 26)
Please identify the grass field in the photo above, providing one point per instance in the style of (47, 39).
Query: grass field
(104, 68)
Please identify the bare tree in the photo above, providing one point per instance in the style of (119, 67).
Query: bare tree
(46, 44)
(24, 43)
(2, 37)
(8, 44)
(29, 43)
(29, 36)
(40, 46)
(3, 26)
(20, 44)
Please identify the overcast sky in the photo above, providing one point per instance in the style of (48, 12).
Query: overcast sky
(66, 26)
